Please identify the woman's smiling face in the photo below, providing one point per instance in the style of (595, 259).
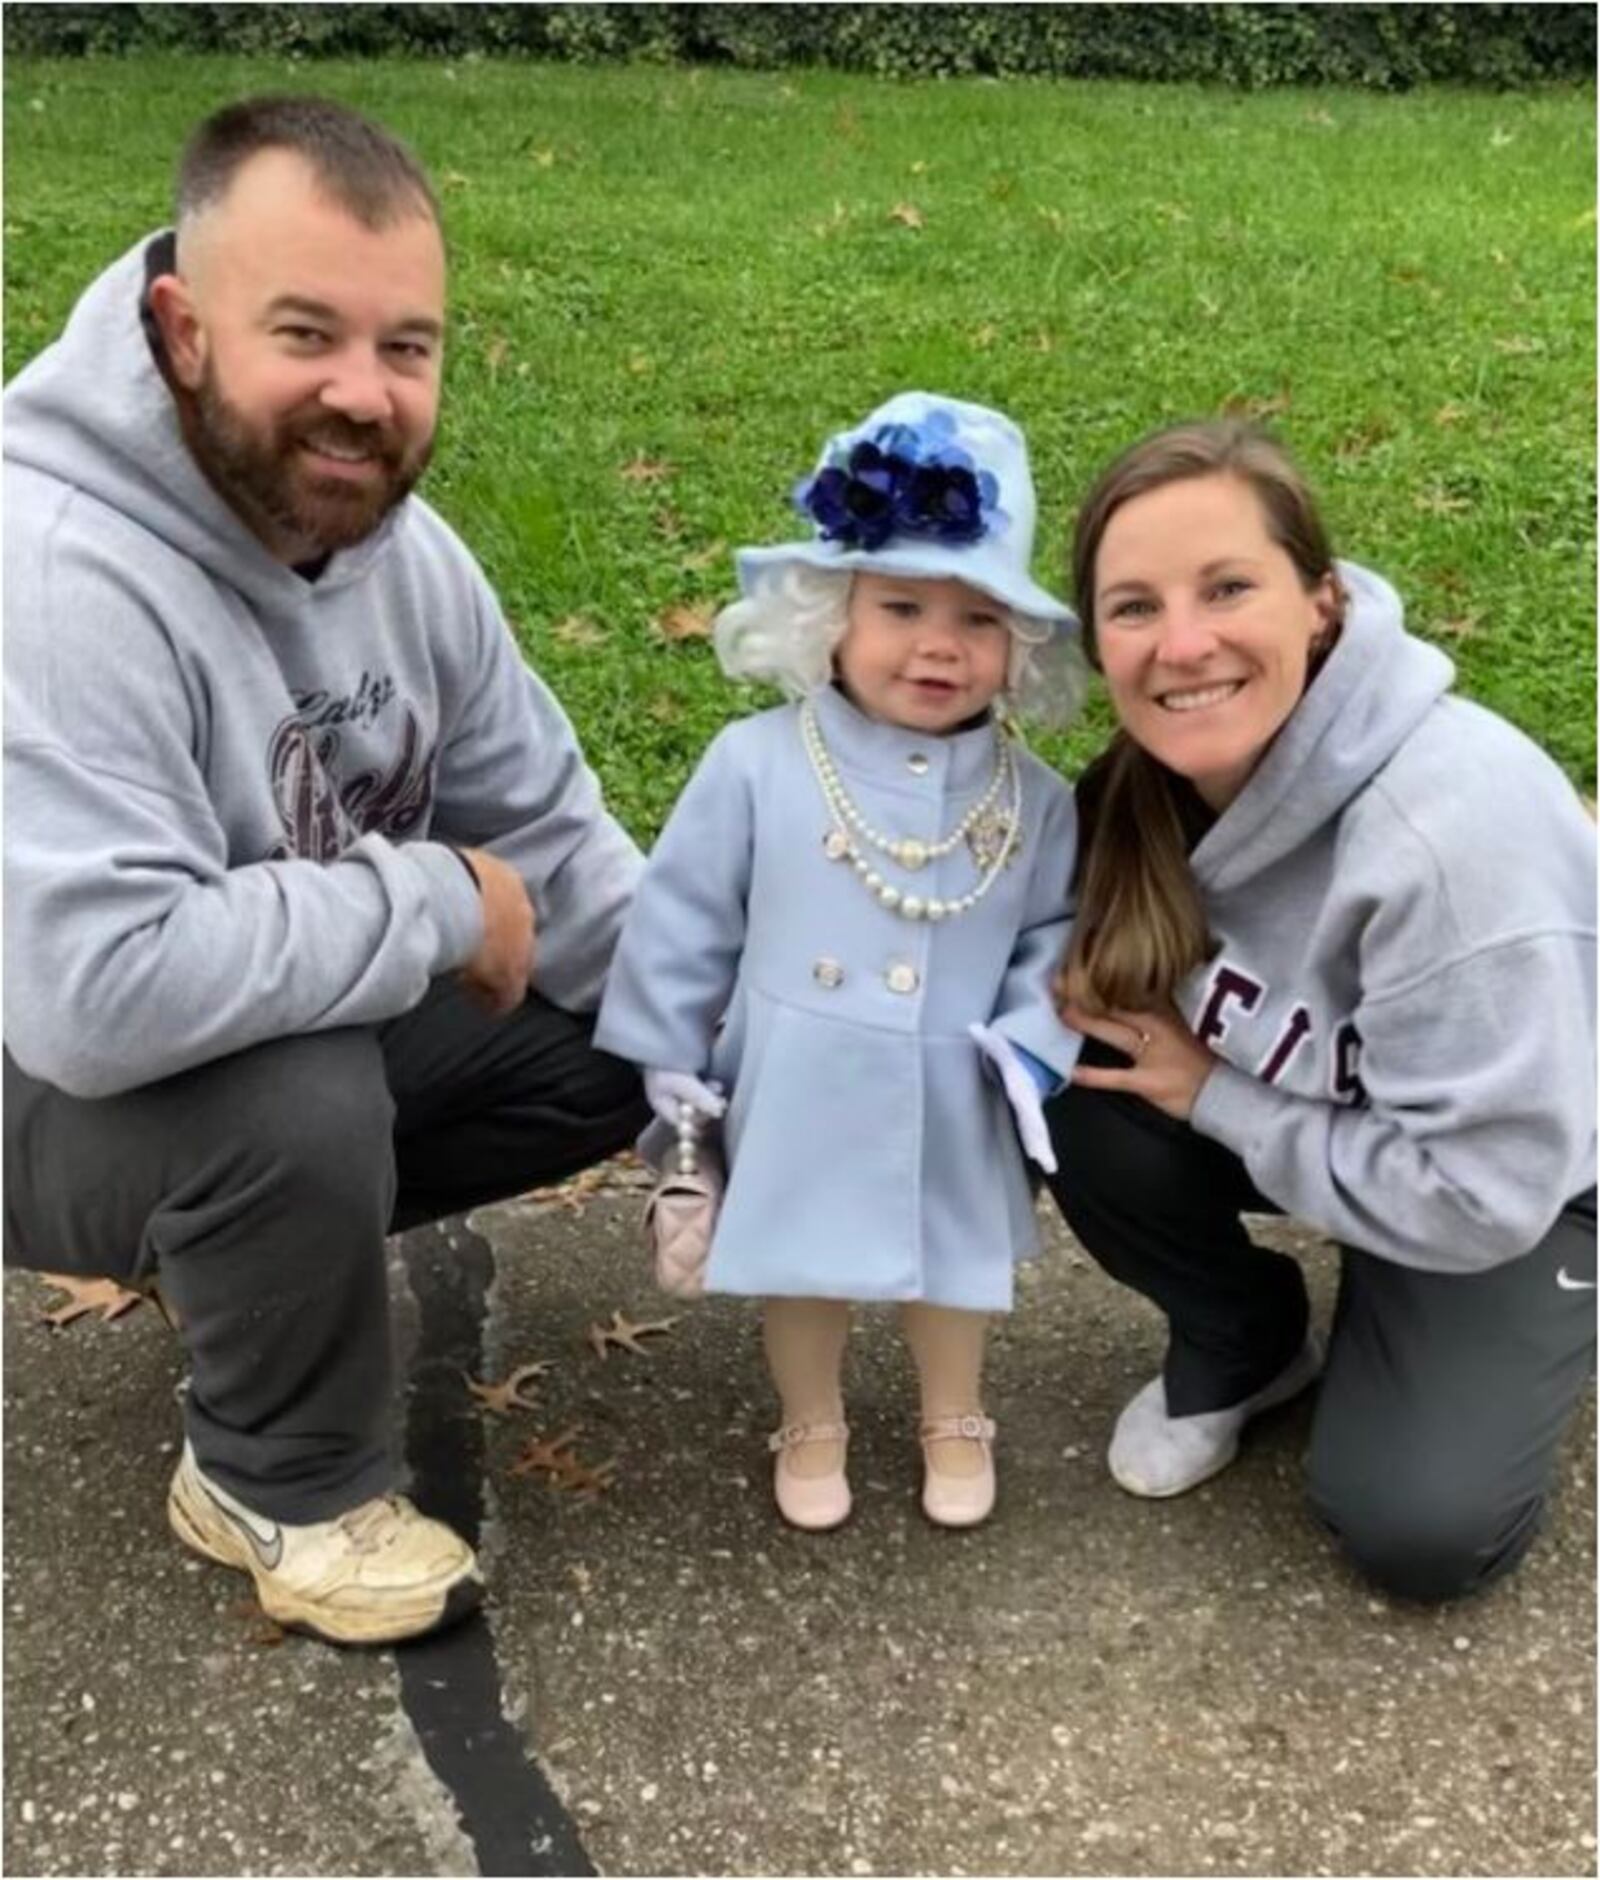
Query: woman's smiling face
(1204, 628)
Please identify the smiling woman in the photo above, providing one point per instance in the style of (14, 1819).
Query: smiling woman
(1334, 952)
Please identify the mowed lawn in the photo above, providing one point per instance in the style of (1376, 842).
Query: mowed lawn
(669, 284)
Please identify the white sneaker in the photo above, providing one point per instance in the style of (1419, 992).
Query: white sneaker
(1154, 1454)
(374, 1574)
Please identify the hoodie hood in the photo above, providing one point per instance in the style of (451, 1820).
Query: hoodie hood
(94, 412)
(1374, 688)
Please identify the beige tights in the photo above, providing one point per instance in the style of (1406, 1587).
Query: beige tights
(805, 1341)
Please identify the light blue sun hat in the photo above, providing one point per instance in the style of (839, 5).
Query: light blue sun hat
(926, 487)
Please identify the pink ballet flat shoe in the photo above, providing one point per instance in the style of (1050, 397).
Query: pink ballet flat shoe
(814, 1502)
(957, 1500)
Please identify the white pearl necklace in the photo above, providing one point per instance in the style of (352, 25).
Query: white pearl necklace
(1001, 826)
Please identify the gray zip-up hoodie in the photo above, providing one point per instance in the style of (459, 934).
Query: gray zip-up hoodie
(1404, 995)
(230, 789)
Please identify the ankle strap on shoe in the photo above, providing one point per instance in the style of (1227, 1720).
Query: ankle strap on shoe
(971, 1428)
(792, 1435)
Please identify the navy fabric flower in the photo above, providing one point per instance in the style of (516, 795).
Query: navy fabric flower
(903, 480)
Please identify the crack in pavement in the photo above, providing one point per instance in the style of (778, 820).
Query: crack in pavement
(450, 1683)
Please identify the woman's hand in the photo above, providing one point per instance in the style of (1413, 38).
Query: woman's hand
(1169, 1062)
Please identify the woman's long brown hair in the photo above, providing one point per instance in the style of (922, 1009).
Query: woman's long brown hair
(1141, 924)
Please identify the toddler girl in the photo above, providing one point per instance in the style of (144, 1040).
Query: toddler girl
(849, 925)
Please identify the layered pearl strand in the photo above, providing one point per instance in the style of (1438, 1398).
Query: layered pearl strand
(841, 843)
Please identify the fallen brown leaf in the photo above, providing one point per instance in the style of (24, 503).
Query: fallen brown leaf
(554, 1457)
(259, 1627)
(626, 1333)
(495, 352)
(1355, 444)
(1465, 627)
(102, 1296)
(506, 1396)
(1243, 406)
(1449, 414)
(1440, 503)
(907, 214)
(643, 469)
(687, 623)
(578, 630)
(703, 557)
(573, 1193)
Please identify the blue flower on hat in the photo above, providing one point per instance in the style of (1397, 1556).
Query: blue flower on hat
(902, 480)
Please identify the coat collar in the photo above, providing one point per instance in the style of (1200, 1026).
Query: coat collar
(956, 760)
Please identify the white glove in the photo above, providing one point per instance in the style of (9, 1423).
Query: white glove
(665, 1091)
(1022, 1093)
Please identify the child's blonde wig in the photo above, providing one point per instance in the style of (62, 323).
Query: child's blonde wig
(786, 631)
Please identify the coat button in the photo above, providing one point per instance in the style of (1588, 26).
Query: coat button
(828, 973)
(917, 764)
(901, 977)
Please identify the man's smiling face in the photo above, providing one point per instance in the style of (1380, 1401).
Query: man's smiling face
(310, 346)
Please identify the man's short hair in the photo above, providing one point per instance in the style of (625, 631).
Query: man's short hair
(365, 170)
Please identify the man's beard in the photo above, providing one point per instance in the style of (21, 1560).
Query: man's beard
(267, 479)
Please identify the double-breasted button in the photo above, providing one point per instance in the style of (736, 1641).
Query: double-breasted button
(901, 977)
(827, 973)
(917, 764)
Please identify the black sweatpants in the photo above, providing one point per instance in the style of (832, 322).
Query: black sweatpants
(1444, 1396)
(259, 1190)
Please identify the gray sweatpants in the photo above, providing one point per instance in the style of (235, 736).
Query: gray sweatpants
(259, 1190)
(1445, 1395)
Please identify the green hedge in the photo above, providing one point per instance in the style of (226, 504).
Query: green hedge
(1388, 47)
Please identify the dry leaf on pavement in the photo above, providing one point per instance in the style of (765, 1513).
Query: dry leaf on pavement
(103, 1296)
(260, 1628)
(626, 1333)
(553, 1456)
(506, 1396)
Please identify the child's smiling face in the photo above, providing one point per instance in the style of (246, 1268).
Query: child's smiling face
(920, 653)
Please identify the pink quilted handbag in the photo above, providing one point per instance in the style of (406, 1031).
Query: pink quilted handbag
(681, 1214)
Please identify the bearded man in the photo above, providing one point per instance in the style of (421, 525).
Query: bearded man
(284, 811)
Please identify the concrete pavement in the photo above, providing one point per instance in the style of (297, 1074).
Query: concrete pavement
(672, 1682)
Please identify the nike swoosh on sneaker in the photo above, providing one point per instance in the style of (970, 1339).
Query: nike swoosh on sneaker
(265, 1537)
(1568, 1284)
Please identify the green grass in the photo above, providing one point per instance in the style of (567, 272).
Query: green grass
(701, 268)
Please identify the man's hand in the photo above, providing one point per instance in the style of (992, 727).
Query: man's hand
(497, 975)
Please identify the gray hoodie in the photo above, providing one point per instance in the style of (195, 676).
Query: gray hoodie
(1404, 996)
(230, 789)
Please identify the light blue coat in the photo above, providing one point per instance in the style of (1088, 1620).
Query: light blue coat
(870, 1155)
